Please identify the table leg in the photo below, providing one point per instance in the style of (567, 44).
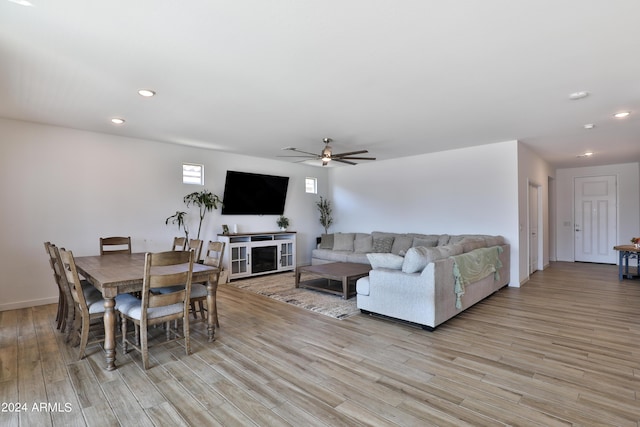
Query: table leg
(297, 276)
(620, 261)
(212, 287)
(110, 333)
(345, 288)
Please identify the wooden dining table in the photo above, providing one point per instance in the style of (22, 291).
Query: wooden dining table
(115, 274)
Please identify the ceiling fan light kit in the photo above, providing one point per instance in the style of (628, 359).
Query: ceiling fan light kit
(326, 155)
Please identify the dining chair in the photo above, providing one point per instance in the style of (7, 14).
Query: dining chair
(88, 302)
(196, 245)
(179, 244)
(115, 245)
(64, 314)
(161, 270)
(212, 257)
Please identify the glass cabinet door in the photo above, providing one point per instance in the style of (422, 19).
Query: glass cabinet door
(239, 260)
(286, 254)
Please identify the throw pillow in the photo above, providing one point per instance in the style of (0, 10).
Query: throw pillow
(401, 244)
(416, 259)
(363, 243)
(326, 241)
(382, 244)
(343, 241)
(388, 260)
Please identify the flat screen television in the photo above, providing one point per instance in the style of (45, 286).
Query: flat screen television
(254, 194)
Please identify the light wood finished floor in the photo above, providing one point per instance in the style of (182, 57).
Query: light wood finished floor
(562, 350)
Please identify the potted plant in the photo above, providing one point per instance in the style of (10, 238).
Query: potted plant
(283, 222)
(205, 200)
(324, 206)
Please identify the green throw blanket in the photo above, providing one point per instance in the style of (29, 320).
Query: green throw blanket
(473, 266)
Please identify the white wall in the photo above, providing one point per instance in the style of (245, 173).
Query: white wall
(471, 190)
(532, 170)
(71, 187)
(628, 178)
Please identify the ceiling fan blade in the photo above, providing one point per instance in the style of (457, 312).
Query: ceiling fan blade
(308, 156)
(333, 159)
(349, 153)
(300, 151)
(354, 158)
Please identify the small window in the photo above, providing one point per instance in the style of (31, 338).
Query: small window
(192, 174)
(311, 185)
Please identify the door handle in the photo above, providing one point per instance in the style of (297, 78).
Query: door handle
(577, 229)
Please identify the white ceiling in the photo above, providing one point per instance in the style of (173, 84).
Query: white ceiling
(395, 77)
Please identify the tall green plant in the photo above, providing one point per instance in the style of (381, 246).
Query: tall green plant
(205, 200)
(324, 206)
(178, 218)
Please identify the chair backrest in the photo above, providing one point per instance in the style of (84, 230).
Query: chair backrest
(213, 255)
(179, 244)
(166, 269)
(196, 245)
(68, 264)
(115, 245)
(56, 266)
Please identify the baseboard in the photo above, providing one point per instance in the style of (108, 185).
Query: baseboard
(30, 303)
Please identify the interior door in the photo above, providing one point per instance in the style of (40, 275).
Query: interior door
(533, 229)
(595, 219)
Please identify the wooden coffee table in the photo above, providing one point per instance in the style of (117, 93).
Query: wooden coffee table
(345, 272)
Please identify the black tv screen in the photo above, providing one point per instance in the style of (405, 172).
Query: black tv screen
(254, 194)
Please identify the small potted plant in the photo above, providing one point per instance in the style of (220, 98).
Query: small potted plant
(283, 222)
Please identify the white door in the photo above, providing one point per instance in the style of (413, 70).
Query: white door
(595, 219)
(533, 229)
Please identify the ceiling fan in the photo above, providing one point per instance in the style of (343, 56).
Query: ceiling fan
(326, 155)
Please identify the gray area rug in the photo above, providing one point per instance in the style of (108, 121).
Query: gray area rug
(282, 288)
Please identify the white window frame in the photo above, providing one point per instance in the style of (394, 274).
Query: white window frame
(311, 183)
(191, 175)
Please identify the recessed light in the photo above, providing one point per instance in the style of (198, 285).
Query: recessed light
(146, 93)
(117, 121)
(622, 114)
(589, 126)
(578, 95)
(585, 154)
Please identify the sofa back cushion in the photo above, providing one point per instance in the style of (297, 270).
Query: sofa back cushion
(363, 243)
(343, 241)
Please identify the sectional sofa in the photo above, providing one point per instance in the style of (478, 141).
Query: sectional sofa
(424, 279)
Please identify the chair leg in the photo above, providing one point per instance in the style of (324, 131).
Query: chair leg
(215, 313)
(60, 312)
(144, 349)
(193, 310)
(201, 306)
(185, 334)
(84, 336)
(123, 327)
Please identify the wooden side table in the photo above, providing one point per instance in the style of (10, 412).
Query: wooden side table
(624, 253)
